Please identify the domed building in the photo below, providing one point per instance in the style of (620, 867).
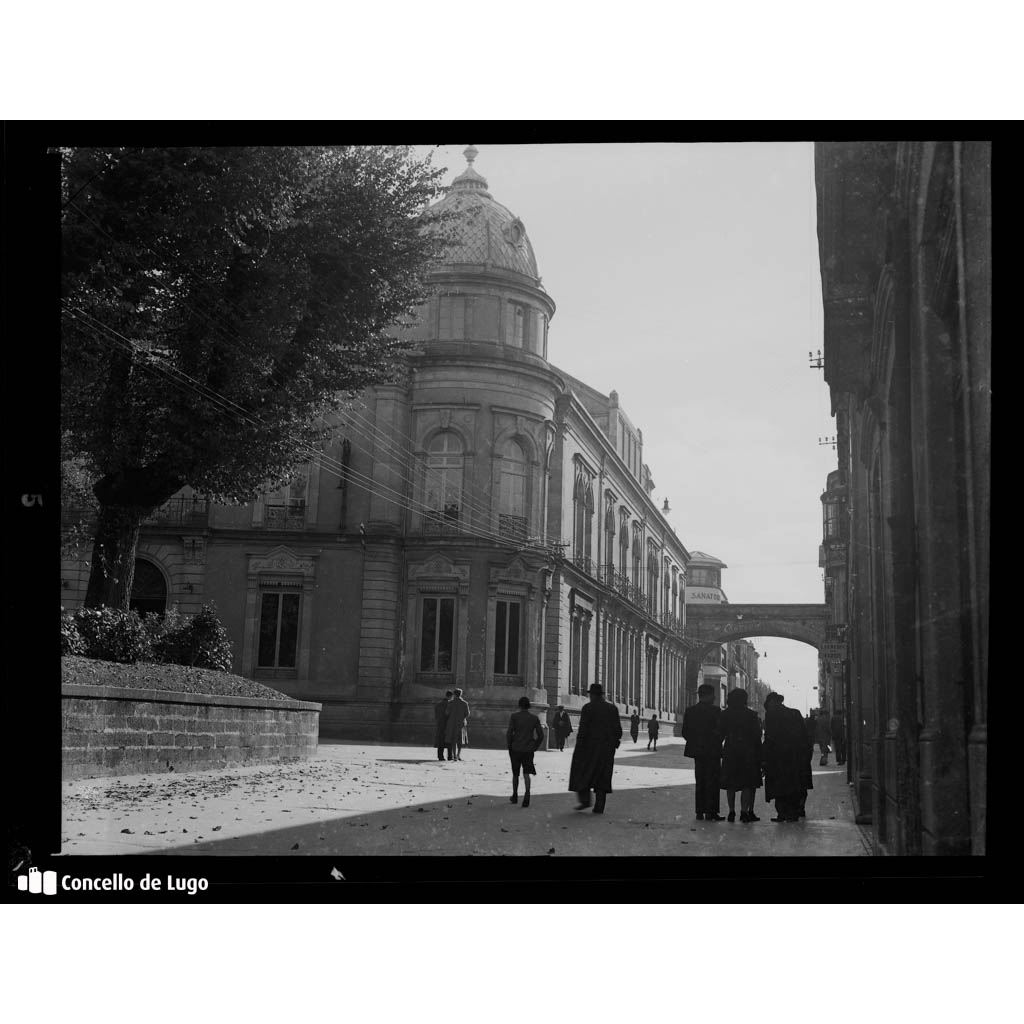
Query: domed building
(492, 527)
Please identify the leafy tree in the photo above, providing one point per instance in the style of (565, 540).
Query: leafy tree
(217, 302)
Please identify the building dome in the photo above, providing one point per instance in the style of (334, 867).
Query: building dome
(484, 233)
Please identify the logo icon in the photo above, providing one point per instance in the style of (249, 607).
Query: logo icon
(38, 881)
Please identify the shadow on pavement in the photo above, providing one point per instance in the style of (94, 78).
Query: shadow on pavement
(637, 822)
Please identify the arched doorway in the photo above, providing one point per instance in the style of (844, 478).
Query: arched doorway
(149, 589)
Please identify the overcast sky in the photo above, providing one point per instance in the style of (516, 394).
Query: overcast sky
(686, 278)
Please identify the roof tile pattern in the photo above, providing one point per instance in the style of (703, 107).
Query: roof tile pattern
(483, 231)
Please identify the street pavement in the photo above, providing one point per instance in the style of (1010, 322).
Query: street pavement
(356, 799)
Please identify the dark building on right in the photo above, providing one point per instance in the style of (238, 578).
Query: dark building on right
(904, 235)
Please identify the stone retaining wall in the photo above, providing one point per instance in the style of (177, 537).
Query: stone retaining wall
(113, 730)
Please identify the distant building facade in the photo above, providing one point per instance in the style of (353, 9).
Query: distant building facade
(905, 246)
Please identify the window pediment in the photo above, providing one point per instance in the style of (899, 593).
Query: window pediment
(282, 560)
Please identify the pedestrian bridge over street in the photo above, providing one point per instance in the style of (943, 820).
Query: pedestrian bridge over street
(710, 624)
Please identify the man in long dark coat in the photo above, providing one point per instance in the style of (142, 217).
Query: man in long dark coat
(634, 724)
(440, 719)
(593, 757)
(700, 729)
(458, 713)
(786, 758)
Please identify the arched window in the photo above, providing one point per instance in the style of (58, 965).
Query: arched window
(637, 558)
(623, 543)
(652, 581)
(588, 528)
(583, 518)
(512, 519)
(442, 488)
(609, 536)
(149, 591)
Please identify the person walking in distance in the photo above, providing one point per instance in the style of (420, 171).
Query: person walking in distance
(823, 735)
(634, 724)
(562, 726)
(458, 713)
(700, 729)
(741, 755)
(523, 736)
(838, 730)
(440, 720)
(593, 757)
(652, 732)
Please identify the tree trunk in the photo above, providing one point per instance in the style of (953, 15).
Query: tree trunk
(125, 499)
(113, 556)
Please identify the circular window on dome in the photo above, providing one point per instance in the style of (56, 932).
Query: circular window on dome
(515, 232)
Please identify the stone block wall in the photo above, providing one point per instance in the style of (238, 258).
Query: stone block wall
(111, 730)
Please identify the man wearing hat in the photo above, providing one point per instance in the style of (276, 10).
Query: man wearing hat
(440, 721)
(700, 729)
(593, 757)
(785, 754)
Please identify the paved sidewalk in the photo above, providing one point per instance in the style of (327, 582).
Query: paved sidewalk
(353, 799)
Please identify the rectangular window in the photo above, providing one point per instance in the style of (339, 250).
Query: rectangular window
(453, 317)
(486, 311)
(279, 630)
(506, 638)
(437, 634)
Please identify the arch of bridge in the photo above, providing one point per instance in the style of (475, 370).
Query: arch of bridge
(711, 624)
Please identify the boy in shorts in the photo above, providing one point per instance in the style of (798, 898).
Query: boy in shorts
(524, 735)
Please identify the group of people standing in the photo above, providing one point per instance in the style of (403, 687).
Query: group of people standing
(451, 713)
(730, 753)
(730, 750)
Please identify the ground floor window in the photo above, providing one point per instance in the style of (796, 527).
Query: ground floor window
(507, 632)
(437, 634)
(149, 591)
(579, 651)
(279, 630)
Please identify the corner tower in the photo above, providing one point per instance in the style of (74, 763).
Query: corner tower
(488, 288)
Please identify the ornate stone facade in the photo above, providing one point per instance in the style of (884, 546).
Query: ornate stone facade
(905, 246)
(484, 524)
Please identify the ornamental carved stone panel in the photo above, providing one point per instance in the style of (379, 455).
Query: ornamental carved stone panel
(281, 560)
(439, 565)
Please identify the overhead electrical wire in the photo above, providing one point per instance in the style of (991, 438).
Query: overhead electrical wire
(406, 458)
(177, 376)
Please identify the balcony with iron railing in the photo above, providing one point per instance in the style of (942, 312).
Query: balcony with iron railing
(285, 517)
(181, 511)
(191, 511)
(441, 522)
(622, 585)
(512, 527)
(583, 562)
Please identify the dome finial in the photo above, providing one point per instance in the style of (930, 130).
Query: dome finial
(470, 180)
